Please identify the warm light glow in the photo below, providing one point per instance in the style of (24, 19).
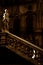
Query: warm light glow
(33, 56)
(34, 51)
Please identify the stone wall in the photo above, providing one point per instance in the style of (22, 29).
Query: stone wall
(34, 11)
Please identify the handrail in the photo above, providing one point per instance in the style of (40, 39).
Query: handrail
(25, 42)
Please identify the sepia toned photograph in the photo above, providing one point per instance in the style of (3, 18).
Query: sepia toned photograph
(21, 32)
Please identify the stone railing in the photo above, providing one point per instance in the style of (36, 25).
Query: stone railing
(24, 48)
(3, 38)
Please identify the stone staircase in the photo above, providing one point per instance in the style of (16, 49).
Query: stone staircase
(22, 47)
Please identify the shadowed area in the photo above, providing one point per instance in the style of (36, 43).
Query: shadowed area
(7, 56)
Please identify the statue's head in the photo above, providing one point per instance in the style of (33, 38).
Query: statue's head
(6, 10)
